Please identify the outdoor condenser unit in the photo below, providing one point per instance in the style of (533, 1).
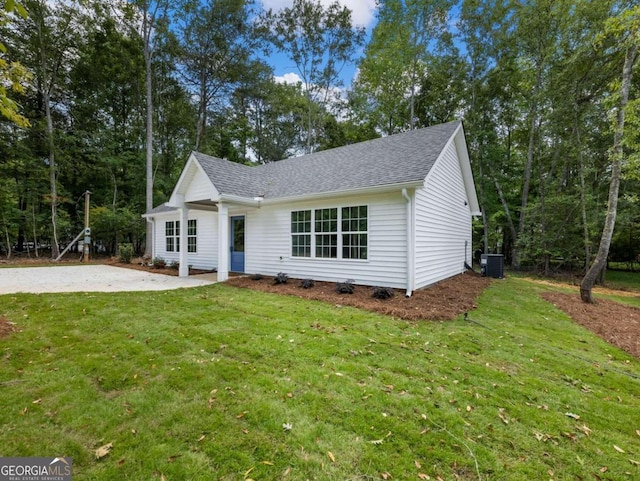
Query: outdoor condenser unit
(492, 265)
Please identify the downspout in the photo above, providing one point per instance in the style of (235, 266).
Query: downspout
(410, 248)
(153, 230)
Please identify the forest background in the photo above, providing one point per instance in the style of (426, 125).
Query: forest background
(110, 96)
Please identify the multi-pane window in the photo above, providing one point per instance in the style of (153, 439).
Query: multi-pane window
(172, 235)
(301, 233)
(192, 235)
(330, 233)
(326, 228)
(354, 232)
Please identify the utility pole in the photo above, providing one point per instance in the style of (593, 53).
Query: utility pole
(87, 229)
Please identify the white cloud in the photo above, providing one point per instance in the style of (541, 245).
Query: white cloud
(289, 78)
(362, 11)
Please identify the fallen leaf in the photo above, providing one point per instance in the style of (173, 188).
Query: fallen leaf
(571, 415)
(286, 472)
(603, 469)
(268, 463)
(246, 473)
(584, 429)
(424, 476)
(417, 463)
(620, 450)
(171, 459)
(502, 416)
(377, 442)
(331, 456)
(102, 451)
(201, 438)
(37, 401)
(634, 462)
(242, 414)
(386, 475)
(121, 462)
(162, 478)
(638, 432)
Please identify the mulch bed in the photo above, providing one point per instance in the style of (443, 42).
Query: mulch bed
(442, 301)
(142, 265)
(615, 323)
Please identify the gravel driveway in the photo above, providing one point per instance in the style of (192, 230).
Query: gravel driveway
(91, 278)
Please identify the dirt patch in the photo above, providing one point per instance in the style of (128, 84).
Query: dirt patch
(442, 301)
(615, 323)
(6, 327)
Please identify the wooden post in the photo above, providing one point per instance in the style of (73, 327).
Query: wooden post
(87, 230)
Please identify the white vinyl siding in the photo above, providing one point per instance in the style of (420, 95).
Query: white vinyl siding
(199, 186)
(205, 239)
(269, 242)
(442, 222)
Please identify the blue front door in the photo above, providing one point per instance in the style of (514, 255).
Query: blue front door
(237, 244)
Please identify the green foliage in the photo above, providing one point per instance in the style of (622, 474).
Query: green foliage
(320, 41)
(125, 252)
(159, 263)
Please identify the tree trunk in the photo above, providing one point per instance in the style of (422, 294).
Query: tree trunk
(600, 261)
(529, 164)
(45, 91)
(6, 234)
(147, 27)
(583, 200)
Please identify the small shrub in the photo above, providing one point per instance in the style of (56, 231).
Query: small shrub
(382, 293)
(158, 263)
(256, 277)
(307, 283)
(125, 252)
(281, 278)
(345, 287)
(173, 265)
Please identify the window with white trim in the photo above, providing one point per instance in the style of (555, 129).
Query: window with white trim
(192, 235)
(355, 236)
(330, 233)
(301, 233)
(172, 236)
(326, 229)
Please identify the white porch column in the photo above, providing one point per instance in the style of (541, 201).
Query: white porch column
(184, 250)
(223, 242)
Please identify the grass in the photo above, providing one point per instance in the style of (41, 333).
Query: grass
(227, 384)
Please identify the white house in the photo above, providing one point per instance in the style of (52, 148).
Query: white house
(394, 211)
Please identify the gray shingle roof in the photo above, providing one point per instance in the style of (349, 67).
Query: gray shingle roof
(396, 159)
(161, 208)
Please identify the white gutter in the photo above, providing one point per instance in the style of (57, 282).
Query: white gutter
(410, 248)
(376, 189)
(153, 229)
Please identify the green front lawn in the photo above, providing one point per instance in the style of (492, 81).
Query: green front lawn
(222, 383)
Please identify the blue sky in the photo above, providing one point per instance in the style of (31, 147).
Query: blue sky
(363, 13)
